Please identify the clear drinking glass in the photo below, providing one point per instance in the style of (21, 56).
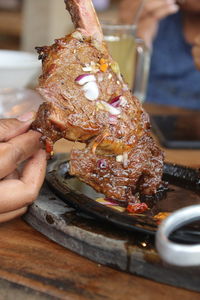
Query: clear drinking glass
(131, 54)
(15, 102)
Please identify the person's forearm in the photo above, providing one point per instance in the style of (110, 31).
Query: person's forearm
(196, 52)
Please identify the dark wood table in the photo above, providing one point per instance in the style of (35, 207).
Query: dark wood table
(33, 267)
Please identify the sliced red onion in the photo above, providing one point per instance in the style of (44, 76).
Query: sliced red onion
(120, 203)
(91, 90)
(125, 159)
(81, 76)
(87, 69)
(100, 76)
(123, 101)
(113, 120)
(115, 102)
(108, 107)
(84, 78)
(118, 101)
(102, 164)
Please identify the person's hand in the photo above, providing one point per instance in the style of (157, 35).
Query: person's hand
(196, 52)
(153, 11)
(19, 188)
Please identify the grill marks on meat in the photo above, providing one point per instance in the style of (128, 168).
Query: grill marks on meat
(67, 108)
(139, 174)
(120, 158)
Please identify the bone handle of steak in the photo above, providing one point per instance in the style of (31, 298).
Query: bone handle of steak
(84, 16)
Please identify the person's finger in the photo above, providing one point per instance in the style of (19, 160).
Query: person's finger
(13, 175)
(128, 8)
(196, 51)
(196, 55)
(17, 150)
(10, 128)
(19, 193)
(159, 9)
(12, 214)
(152, 5)
(164, 12)
(197, 40)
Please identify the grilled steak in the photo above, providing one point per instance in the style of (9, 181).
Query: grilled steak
(87, 100)
(87, 96)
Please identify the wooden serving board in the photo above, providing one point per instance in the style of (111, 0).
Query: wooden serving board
(104, 243)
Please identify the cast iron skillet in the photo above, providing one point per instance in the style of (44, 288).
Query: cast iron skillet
(183, 190)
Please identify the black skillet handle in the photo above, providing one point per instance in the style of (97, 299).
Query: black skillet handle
(182, 176)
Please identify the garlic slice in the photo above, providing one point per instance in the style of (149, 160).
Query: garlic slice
(119, 158)
(77, 35)
(91, 90)
(87, 69)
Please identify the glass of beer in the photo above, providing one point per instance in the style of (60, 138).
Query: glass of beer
(131, 54)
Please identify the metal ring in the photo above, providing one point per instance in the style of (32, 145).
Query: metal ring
(173, 253)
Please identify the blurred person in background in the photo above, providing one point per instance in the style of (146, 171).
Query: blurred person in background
(169, 28)
(196, 51)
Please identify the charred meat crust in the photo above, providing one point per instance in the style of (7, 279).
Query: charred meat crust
(73, 111)
(87, 100)
(139, 174)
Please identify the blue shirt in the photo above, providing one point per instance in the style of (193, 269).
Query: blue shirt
(173, 78)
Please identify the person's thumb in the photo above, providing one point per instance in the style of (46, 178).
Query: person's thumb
(10, 128)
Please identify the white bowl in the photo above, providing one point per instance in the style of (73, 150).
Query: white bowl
(18, 69)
